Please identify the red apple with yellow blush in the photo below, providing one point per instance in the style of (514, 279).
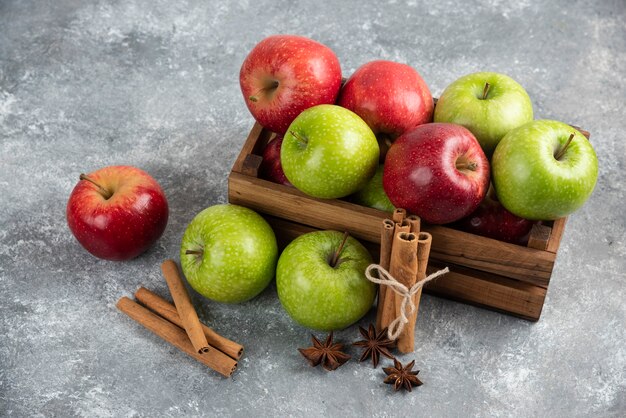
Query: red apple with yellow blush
(117, 212)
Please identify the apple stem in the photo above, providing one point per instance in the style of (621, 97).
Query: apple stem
(299, 137)
(272, 86)
(194, 252)
(466, 166)
(104, 192)
(335, 259)
(562, 150)
(486, 90)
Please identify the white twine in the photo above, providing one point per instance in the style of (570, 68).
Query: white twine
(386, 279)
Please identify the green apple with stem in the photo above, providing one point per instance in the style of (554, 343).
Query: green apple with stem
(321, 280)
(544, 170)
(228, 253)
(488, 104)
(373, 195)
(329, 152)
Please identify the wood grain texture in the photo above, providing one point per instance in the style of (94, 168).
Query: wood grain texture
(558, 228)
(539, 237)
(488, 290)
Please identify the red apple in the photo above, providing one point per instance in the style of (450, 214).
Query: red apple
(390, 97)
(117, 212)
(492, 220)
(286, 74)
(437, 171)
(271, 167)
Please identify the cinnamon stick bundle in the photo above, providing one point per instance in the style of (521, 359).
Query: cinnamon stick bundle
(186, 311)
(176, 336)
(163, 308)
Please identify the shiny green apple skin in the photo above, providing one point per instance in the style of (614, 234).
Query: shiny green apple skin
(531, 183)
(329, 152)
(318, 296)
(373, 195)
(239, 253)
(505, 107)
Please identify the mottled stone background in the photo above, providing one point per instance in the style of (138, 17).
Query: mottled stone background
(155, 84)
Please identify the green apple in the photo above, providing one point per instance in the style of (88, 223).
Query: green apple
(329, 152)
(544, 170)
(320, 290)
(228, 253)
(488, 104)
(373, 195)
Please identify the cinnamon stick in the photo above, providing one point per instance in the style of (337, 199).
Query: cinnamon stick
(386, 238)
(423, 252)
(163, 308)
(176, 336)
(403, 259)
(187, 313)
(403, 226)
(398, 215)
(415, 223)
(405, 271)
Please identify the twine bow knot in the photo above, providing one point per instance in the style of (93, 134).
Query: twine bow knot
(407, 307)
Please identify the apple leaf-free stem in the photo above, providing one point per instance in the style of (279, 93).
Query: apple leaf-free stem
(335, 259)
(104, 192)
(486, 90)
(562, 150)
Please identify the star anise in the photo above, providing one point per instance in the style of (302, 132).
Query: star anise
(402, 377)
(329, 355)
(375, 344)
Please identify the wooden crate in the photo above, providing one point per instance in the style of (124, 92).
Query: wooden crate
(484, 272)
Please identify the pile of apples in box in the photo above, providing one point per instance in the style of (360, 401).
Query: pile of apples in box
(378, 140)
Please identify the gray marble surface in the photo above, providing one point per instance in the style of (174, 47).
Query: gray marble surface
(155, 84)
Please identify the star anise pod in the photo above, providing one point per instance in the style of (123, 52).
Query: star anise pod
(402, 377)
(375, 344)
(329, 355)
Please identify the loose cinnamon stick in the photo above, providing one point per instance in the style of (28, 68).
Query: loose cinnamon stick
(187, 313)
(176, 336)
(398, 215)
(163, 308)
(386, 239)
(405, 271)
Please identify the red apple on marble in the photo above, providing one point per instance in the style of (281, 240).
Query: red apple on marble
(492, 220)
(286, 74)
(390, 97)
(117, 212)
(271, 167)
(437, 171)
